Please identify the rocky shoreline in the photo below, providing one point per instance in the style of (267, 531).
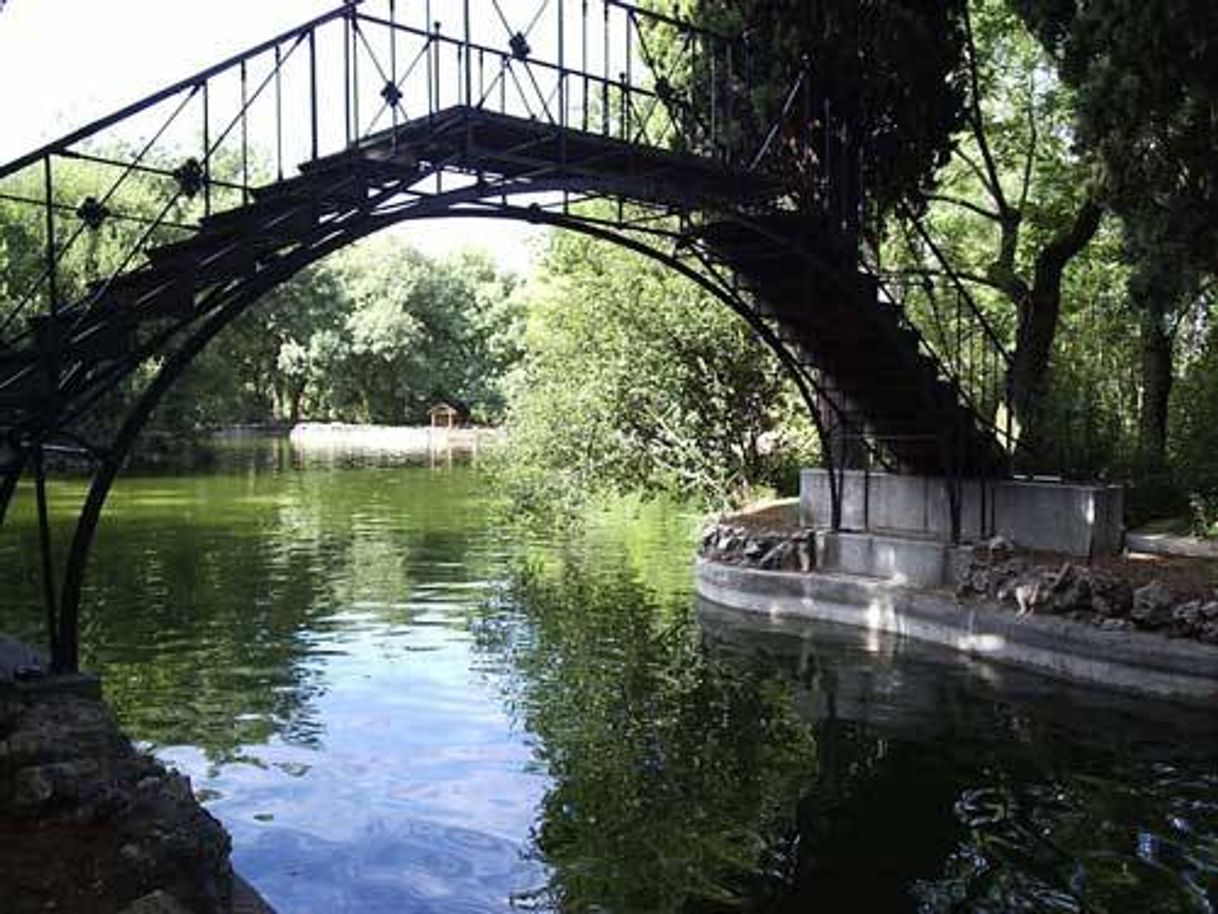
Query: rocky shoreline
(88, 824)
(1115, 595)
(1103, 596)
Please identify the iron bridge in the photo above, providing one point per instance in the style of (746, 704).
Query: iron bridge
(597, 116)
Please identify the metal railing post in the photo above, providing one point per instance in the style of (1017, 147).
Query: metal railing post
(52, 261)
(313, 90)
(278, 112)
(206, 148)
(245, 140)
(469, 61)
(347, 39)
(59, 662)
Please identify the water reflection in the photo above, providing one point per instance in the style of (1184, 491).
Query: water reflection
(784, 768)
(672, 779)
(948, 786)
(397, 704)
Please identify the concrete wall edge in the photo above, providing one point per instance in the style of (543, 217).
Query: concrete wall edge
(1133, 662)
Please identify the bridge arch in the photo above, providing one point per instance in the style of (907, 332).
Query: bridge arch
(250, 292)
(758, 203)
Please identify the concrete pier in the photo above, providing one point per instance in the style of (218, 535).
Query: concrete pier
(1078, 519)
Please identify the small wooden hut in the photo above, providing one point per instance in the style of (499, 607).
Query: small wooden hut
(444, 415)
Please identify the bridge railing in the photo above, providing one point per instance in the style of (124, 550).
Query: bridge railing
(153, 171)
(953, 328)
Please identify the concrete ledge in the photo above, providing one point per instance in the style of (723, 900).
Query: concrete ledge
(901, 560)
(1131, 661)
(1172, 544)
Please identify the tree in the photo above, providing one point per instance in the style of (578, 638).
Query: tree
(418, 330)
(889, 68)
(1146, 77)
(1194, 437)
(635, 379)
(375, 333)
(1162, 294)
(1015, 207)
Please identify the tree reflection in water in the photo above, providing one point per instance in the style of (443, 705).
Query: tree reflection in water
(674, 778)
(713, 767)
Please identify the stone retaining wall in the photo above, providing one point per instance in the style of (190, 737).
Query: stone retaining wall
(1130, 660)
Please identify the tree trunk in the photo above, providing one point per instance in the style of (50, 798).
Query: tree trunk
(1038, 314)
(297, 396)
(1156, 345)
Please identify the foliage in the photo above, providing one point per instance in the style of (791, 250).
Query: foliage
(86, 255)
(376, 333)
(635, 378)
(1194, 441)
(1014, 217)
(1146, 76)
(674, 775)
(891, 67)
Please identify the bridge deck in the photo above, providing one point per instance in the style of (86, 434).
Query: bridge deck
(489, 144)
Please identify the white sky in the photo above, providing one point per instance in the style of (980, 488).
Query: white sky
(64, 63)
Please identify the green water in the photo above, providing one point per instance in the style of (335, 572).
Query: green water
(396, 702)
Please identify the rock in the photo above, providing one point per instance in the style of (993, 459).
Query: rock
(777, 557)
(1186, 617)
(753, 549)
(65, 762)
(1209, 611)
(1003, 580)
(729, 546)
(976, 579)
(1029, 596)
(1069, 591)
(1115, 625)
(1208, 632)
(1005, 591)
(994, 550)
(32, 787)
(16, 657)
(1110, 597)
(806, 550)
(1152, 605)
(158, 902)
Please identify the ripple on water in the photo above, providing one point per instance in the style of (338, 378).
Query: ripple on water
(410, 866)
(312, 649)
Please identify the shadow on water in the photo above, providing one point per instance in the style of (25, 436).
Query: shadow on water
(954, 785)
(715, 764)
(396, 704)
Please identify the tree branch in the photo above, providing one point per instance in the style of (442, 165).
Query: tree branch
(977, 170)
(1064, 246)
(965, 204)
(964, 275)
(977, 121)
(1033, 140)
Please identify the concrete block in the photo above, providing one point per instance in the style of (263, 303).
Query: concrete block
(1072, 518)
(1075, 519)
(916, 562)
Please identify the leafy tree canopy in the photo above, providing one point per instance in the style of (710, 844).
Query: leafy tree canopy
(891, 67)
(633, 378)
(1146, 76)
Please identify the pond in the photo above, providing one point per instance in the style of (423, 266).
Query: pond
(397, 702)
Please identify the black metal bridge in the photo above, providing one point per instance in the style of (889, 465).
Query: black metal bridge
(591, 115)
